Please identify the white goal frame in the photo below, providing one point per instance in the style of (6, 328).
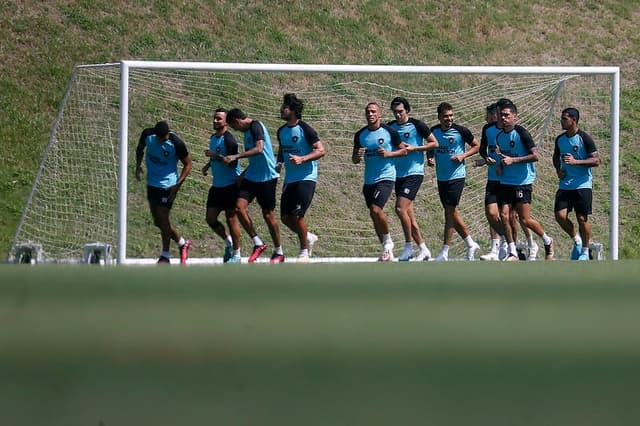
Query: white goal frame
(126, 65)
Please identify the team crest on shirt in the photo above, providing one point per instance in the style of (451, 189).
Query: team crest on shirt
(165, 153)
(512, 144)
(295, 139)
(406, 135)
(575, 148)
(218, 149)
(451, 141)
(381, 141)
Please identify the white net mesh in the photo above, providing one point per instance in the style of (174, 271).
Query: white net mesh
(74, 200)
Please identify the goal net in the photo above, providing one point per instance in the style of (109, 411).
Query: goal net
(86, 192)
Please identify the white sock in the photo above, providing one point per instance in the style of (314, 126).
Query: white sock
(236, 252)
(386, 239)
(578, 239)
(469, 241)
(512, 249)
(530, 241)
(278, 250)
(228, 241)
(304, 252)
(181, 242)
(423, 247)
(166, 254)
(257, 241)
(547, 239)
(408, 246)
(311, 236)
(445, 249)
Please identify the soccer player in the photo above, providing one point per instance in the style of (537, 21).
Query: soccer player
(574, 155)
(377, 144)
(517, 152)
(451, 173)
(299, 150)
(223, 190)
(163, 151)
(259, 181)
(499, 247)
(410, 174)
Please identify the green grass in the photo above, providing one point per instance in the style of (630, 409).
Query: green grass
(318, 344)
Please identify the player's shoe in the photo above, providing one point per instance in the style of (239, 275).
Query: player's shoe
(533, 251)
(576, 252)
(303, 258)
(511, 258)
(423, 255)
(491, 256)
(407, 254)
(277, 258)
(235, 259)
(184, 252)
(472, 250)
(163, 259)
(441, 257)
(386, 256)
(504, 250)
(311, 240)
(548, 251)
(583, 256)
(257, 251)
(228, 252)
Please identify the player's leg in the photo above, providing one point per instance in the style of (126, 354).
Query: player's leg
(562, 206)
(376, 197)
(523, 207)
(266, 196)
(582, 207)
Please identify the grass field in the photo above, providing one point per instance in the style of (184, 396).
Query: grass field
(545, 343)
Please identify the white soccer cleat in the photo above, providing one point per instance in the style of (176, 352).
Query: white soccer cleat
(387, 253)
(441, 257)
(491, 256)
(311, 240)
(533, 252)
(303, 258)
(423, 255)
(472, 250)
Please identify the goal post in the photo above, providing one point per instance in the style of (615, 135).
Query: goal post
(115, 102)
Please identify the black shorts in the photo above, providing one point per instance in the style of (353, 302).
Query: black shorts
(408, 186)
(579, 200)
(222, 197)
(377, 193)
(491, 192)
(514, 194)
(450, 191)
(296, 197)
(159, 197)
(264, 192)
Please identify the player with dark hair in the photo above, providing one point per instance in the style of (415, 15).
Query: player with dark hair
(377, 144)
(451, 173)
(223, 191)
(517, 152)
(259, 182)
(410, 174)
(299, 150)
(163, 151)
(574, 155)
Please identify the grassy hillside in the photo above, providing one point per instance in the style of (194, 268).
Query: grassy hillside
(42, 42)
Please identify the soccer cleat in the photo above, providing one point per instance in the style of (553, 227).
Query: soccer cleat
(441, 257)
(533, 252)
(303, 258)
(311, 240)
(386, 256)
(548, 251)
(184, 252)
(423, 255)
(576, 252)
(257, 251)
(583, 256)
(163, 259)
(511, 258)
(234, 259)
(277, 258)
(228, 252)
(490, 256)
(407, 254)
(472, 250)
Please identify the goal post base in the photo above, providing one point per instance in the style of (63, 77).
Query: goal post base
(97, 254)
